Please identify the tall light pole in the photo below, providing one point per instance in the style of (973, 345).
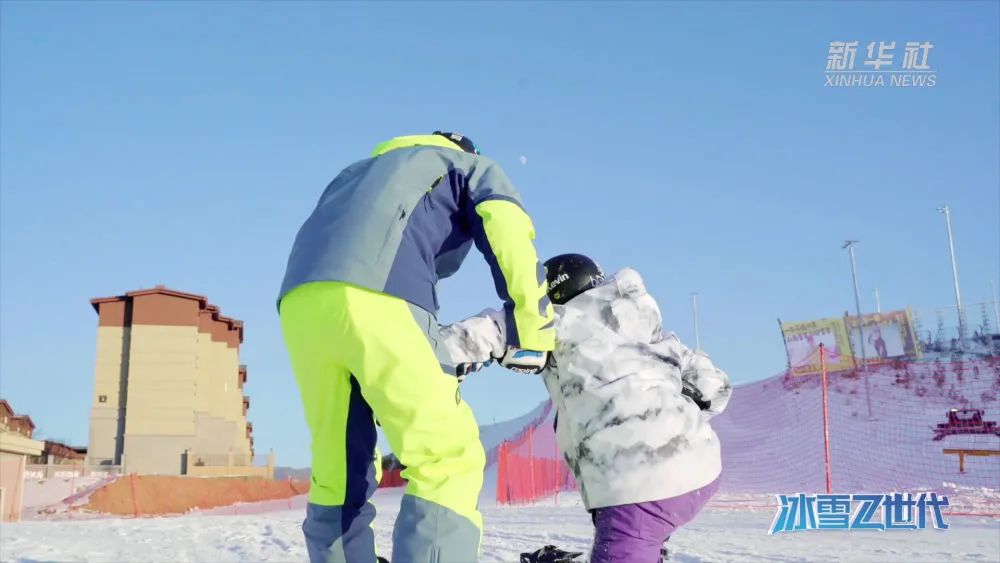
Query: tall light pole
(996, 306)
(954, 273)
(878, 302)
(694, 309)
(849, 245)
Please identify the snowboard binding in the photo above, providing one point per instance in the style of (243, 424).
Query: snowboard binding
(550, 554)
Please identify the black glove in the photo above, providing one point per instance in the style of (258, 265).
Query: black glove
(692, 392)
(462, 370)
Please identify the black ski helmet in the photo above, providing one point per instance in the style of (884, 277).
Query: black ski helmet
(569, 275)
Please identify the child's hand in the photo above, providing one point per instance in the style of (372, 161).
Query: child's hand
(692, 392)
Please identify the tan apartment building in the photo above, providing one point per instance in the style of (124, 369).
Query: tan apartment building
(168, 384)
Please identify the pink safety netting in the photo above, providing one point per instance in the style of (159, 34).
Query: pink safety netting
(924, 416)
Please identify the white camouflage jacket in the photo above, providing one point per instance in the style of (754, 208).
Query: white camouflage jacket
(624, 427)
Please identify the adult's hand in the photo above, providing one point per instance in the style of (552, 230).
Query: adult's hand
(524, 361)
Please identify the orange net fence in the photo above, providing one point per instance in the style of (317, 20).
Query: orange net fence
(530, 467)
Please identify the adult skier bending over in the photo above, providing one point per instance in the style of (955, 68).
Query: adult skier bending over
(632, 405)
(357, 311)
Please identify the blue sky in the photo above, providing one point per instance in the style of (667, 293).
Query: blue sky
(184, 143)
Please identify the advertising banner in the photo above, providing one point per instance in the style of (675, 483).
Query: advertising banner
(886, 336)
(802, 342)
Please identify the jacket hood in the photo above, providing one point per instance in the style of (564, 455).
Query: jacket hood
(414, 141)
(623, 305)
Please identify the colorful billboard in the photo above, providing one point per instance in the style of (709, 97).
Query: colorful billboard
(802, 342)
(886, 336)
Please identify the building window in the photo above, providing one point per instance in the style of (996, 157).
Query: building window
(102, 398)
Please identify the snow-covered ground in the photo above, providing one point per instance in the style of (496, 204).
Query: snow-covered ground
(772, 438)
(717, 535)
(42, 492)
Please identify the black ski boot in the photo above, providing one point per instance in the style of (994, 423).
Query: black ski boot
(550, 554)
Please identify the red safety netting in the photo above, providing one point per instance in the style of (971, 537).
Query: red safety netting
(530, 466)
(392, 478)
(933, 425)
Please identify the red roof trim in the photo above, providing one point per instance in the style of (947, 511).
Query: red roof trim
(232, 323)
(25, 418)
(14, 416)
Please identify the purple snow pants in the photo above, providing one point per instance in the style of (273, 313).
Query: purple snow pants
(636, 532)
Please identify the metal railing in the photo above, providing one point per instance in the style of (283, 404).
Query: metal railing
(197, 459)
(65, 470)
(228, 464)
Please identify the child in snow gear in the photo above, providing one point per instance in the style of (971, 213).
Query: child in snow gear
(640, 446)
(357, 308)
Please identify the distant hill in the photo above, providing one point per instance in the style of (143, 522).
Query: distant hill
(296, 473)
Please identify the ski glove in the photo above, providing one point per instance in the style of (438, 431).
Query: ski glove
(692, 392)
(462, 370)
(524, 361)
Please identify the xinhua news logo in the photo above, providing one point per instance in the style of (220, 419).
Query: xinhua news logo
(879, 67)
(891, 511)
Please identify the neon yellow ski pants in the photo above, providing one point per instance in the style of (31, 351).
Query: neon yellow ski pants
(360, 355)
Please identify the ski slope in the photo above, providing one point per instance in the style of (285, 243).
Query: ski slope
(772, 431)
(716, 535)
(772, 434)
